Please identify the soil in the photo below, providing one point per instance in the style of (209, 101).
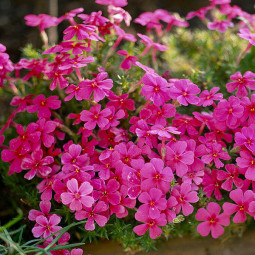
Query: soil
(184, 246)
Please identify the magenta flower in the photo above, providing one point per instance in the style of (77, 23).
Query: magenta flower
(47, 128)
(81, 31)
(199, 13)
(184, 196)
(155, 89)
(45, 209)
(184, 91)
(179, 158)
(213, 220)
(247, 162)
(231, 176)
(249, 109)
(215, 154)
(58, 78)
(151, 224)
(43, 105)
(220, 25)
(99, 86)
(76, 197)
(42, 20)
(246, 137)
(37, 164)
(211, 184)
(117, 3)
(241, 83)
(152, 202)
(163, 131)
(118, 14)
(28, 139)
(242, 200)
(160, 114)
(230, 111)
(93, 214)
(95, 117)
(108, 192)
(154, 175)
(76, 47)
(73, 157)
(122, 35)
(207, 98)
(246, 34)
(129, 59)
(45, 227)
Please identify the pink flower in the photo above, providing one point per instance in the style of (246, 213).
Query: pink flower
(45, 209)
(73, 157)
(43, 105)
(94, 117)
(58, 78)
(184, 196)
(46, 227)
(242, 200)
(231, 176)
(93, 214)
(207, 98)
(163, 131)
(241, 83)
(155, 89)
(211, 184)
(213, 220)
(199, 13)
(117, 3)
(215, 154)
(220, 25)
(81, 31)
(179, 158)
(153, 202)
(129, 59)
(151, 224)
(154, 175)
(99, 86)
(246, 137)
(247, 162)
(246, 34)
(249, 109)
(42, 20)
(76, 47)
(76, 197)
(37, 164)
(184, 91)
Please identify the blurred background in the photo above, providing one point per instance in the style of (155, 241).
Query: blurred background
(15, 34)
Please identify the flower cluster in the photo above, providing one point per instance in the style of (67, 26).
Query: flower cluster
(117, 156)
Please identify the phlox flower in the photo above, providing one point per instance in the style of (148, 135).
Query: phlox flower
(249, 109)
(247, 162)
(99, 86)
(246, 34)
(43, 105)
(117, 3)
(184, 196)
(76, 47)
(155, 89)
(122, 35)
(93, 214)
(58, 78)
(199, 13)
(118, 15)
(45, 209)
(163, 132)
(38, 164)
(154, 175)
(77, 196)
(152, 202)
(151, 224)
(241, 83)
(246, 137)
(170, 210)
(220, 25)
(129, 59)
(184, 91)
(213, 220)
(242, 200)
(179, 158)
(231, 176)
(159, 115)
(95, 117)
(215, 153)
(211, 184)
(114, 117)
(81, 31)
(207, 98)
(45, 227)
